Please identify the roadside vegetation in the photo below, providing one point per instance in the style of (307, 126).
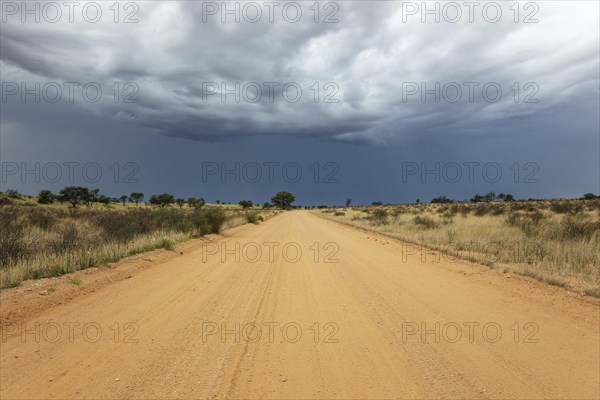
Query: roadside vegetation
(555, 241)
(51, 235)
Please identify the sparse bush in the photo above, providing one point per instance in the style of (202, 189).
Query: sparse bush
(578, 228)
(166, 244)
(13, 194)
(425, 222)
(252, 217)
(12, 244)
(67, 240)
(379, 216)
(565, 207)
(209, 220)
(42, 219)
(527, 222)
(482, 209)
(124, 227)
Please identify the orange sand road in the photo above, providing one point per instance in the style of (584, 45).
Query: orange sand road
(307, 328)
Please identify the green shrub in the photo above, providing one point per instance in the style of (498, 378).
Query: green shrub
(208, 220)
(252, 217)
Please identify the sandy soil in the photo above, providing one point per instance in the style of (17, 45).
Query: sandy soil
(363, 316)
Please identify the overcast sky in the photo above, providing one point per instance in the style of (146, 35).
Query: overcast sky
(378, 100)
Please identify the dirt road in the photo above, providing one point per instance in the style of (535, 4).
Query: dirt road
(311, 309)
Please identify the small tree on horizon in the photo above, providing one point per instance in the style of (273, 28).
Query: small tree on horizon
(45, 197)
(136, 197)
(162, 200)
(283, 200)
(74, 195)
(245, 204)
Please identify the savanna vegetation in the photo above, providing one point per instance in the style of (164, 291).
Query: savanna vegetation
(51, 235)
(555, 241)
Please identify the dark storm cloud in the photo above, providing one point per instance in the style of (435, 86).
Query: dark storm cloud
(368, 57)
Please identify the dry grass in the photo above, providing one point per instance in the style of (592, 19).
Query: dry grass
(555, 241)
(39, 241)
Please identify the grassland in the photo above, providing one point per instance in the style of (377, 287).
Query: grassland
(38, 241)
(555, 241)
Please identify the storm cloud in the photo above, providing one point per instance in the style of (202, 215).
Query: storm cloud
(364, 71)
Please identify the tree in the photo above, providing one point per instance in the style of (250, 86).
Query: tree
(162, 200)
(102, 199)
(193, 202)
(245, 204)
(136, 197)
(348, 202)
(441, 199)
(74, 195)
(45, 197)
(266, 205)
(418, 201)
(377, 203)
(283, 200)
(506, 197)
(123, 199)
(218, 201)
(92, 197)
(477, 198)
(13, 194)
(589, 196)
(180, 202)
(489, 197)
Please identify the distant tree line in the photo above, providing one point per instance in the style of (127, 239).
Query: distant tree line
(78, 195)
(478, 198)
